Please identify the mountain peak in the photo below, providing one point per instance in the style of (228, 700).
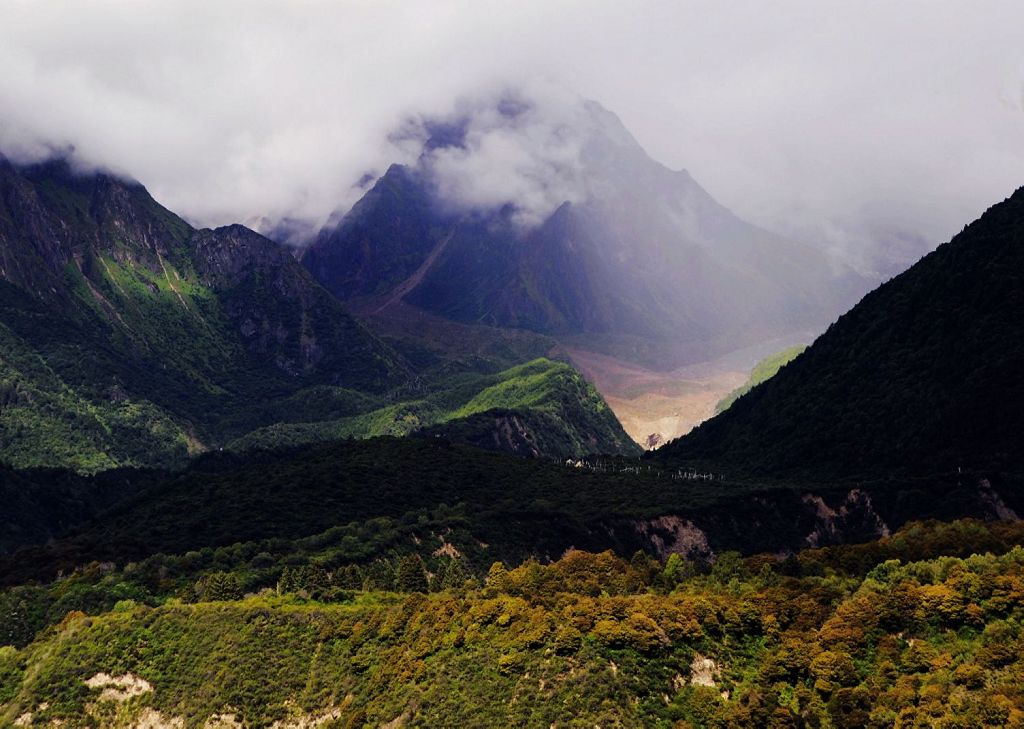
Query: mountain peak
(551, 217)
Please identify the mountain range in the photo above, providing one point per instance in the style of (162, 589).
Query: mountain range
(351, 487)
(131, 338)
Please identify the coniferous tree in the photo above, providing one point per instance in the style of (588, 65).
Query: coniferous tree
(409, 574)
(378, 576)
(221, 586)
(453, 575)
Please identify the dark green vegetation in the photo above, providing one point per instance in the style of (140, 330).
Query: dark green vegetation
(518, 507)
(763, 370)
(922, 376)
(921, 629)
(128, 338)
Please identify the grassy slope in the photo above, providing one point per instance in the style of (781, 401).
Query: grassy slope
(764, 370)
(566, 415)
(87, 426)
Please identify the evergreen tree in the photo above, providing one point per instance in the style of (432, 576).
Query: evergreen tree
(453, 575)
(378, 576)
(221, 586)
(409, 574)
(349, 577)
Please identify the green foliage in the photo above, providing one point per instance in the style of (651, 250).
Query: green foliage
(764, 370)
(154, 340)
(539, 408)
(409, 575)
(588, 639)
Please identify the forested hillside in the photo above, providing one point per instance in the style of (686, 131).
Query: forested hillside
(919, 629)
(762, 371)
(921, 377)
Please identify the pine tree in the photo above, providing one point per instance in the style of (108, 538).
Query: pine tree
(221, 586)
(409, 574)
(378, 576)
(453, 575)
(349, 577)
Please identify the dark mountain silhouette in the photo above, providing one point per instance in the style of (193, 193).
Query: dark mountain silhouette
(922, 376)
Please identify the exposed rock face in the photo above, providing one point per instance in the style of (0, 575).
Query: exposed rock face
(854, 520)
(119, 688)
(999, 509)
(672, 535)
(281, 313)
(704, 671)
(786, 521)
(51, 217)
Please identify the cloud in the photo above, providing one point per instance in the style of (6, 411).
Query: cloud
(518, 147)
(827, 121)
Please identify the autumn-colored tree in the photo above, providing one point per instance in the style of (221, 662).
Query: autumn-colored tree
(833, 670)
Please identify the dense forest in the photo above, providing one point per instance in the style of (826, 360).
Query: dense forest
(918, 629)
(922, 375)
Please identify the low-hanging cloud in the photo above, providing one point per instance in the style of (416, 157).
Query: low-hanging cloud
(845, 124)
(520, 147)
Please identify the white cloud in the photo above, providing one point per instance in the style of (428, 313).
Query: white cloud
(827, 120)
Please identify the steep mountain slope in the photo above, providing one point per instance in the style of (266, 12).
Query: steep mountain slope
(589, 640)
(922, 376)
(639, 253)
(130, 337)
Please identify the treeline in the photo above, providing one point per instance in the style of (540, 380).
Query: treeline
(587, 639)
(434, 552)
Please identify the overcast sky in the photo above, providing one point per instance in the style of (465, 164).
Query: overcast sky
(839, 122)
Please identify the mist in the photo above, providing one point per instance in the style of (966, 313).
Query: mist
(859, 127)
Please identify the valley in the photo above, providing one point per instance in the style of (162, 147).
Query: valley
(498, 420)
(656, 406)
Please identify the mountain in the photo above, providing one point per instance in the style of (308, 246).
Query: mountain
(130, 337)
(640, 254)
(921, 377)
(420, 581)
